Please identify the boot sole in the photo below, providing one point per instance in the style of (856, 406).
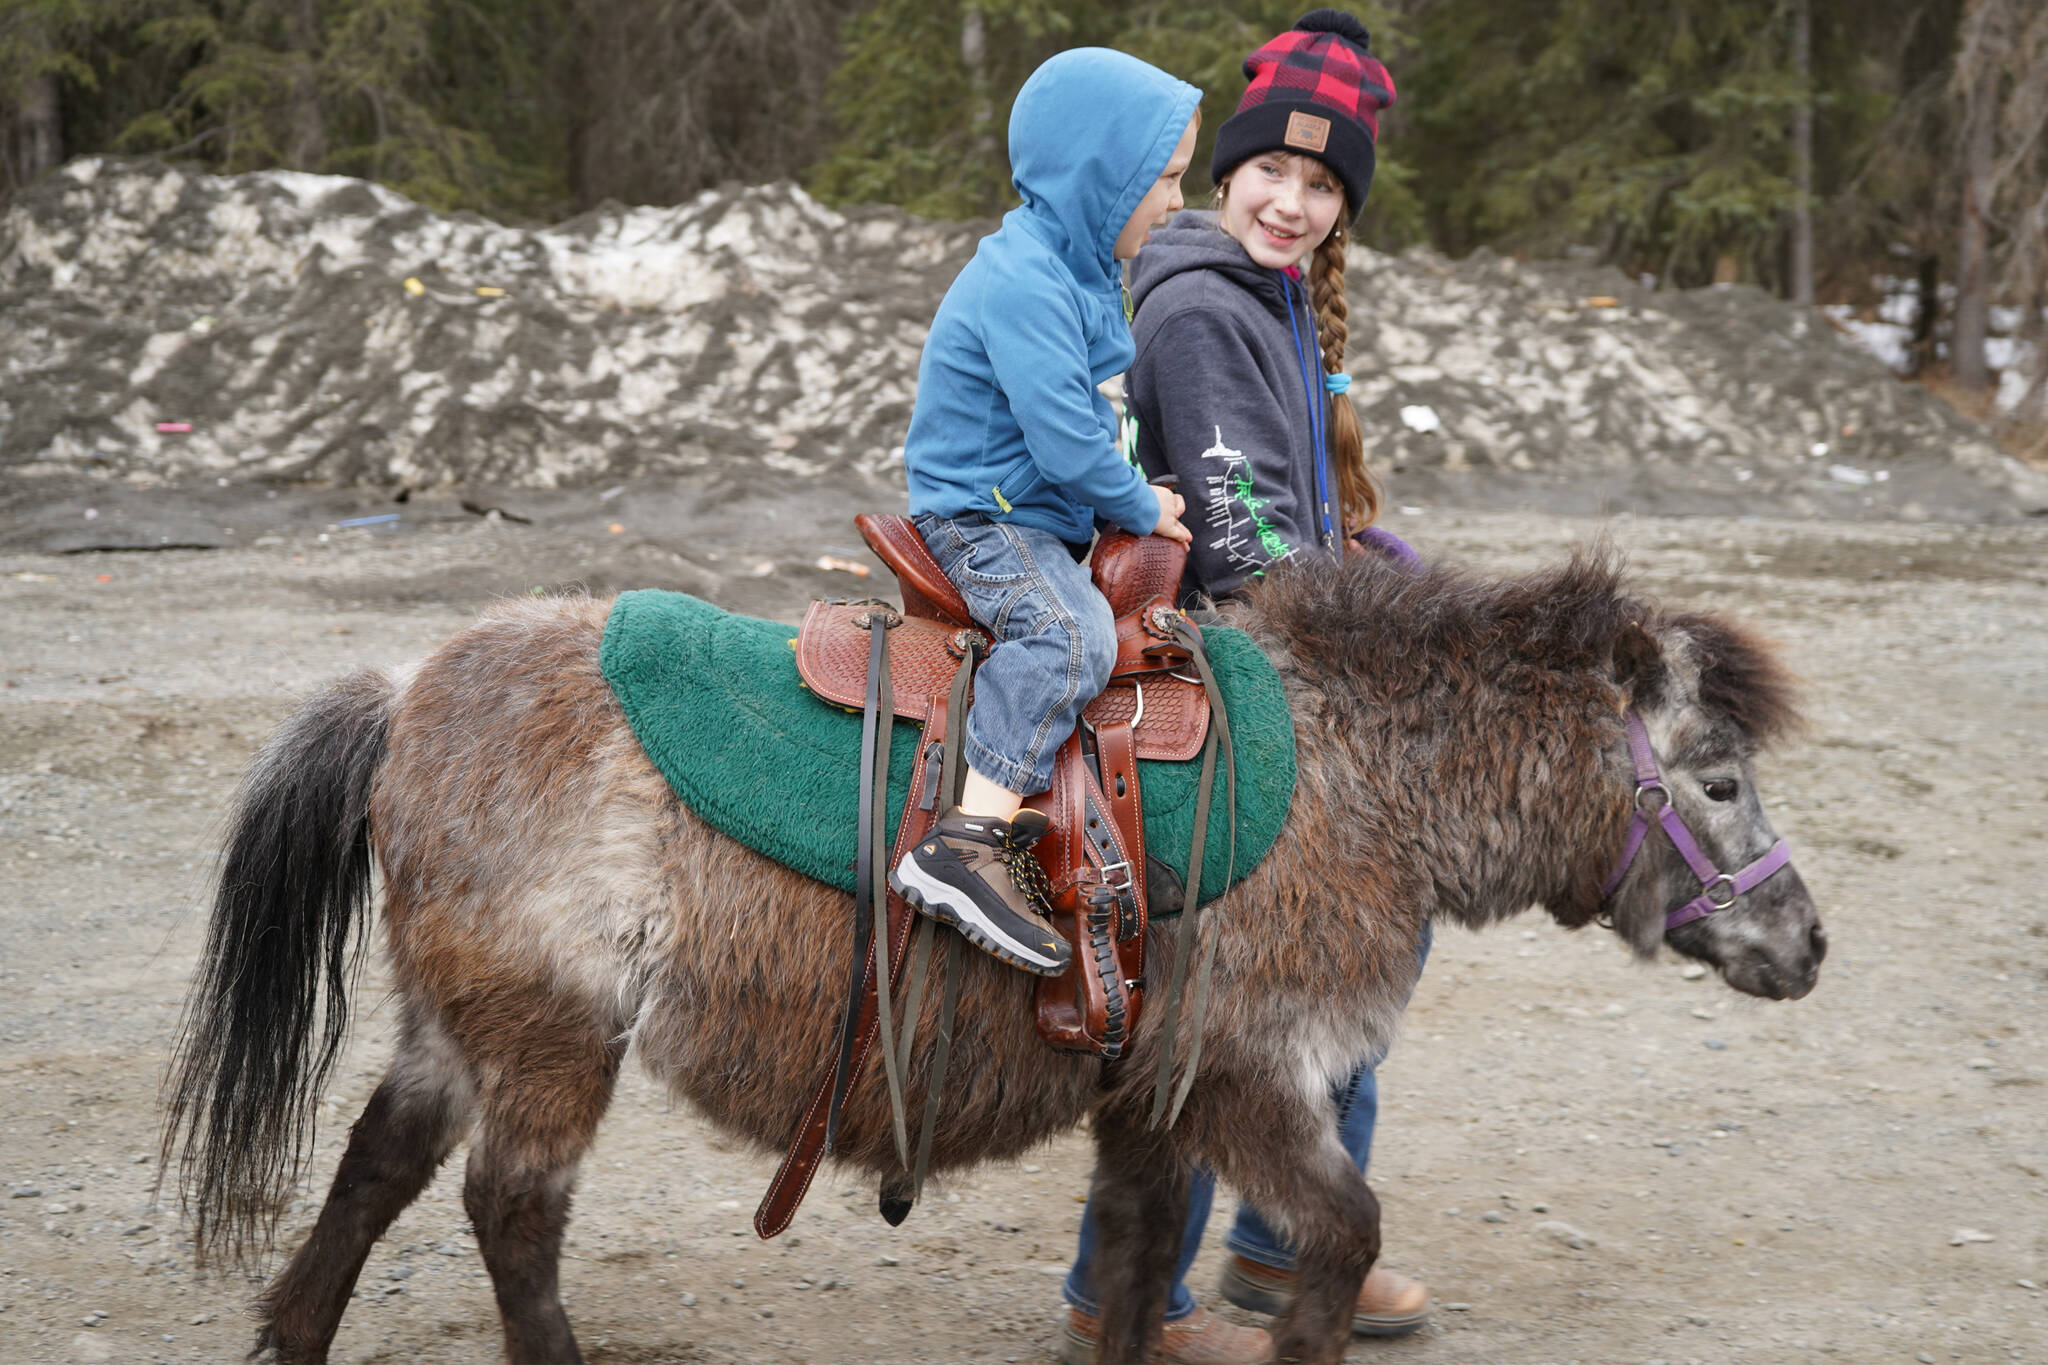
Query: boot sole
(1256, 1298)
(975, 930)
(1075, 1350)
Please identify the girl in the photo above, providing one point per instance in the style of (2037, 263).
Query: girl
(1239, 379)
(1238, 390)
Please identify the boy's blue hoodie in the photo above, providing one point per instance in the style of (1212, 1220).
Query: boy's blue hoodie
(1008, 421)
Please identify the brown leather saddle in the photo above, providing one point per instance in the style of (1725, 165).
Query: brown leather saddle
(1103, 889)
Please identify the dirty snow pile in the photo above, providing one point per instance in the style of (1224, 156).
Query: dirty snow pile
(317, 327)
(1722, 399)
(1886, 331)
(161, 324)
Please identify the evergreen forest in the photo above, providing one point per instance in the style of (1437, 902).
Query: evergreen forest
(1810, 147)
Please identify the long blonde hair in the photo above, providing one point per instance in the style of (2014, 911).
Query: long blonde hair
(1358, 492)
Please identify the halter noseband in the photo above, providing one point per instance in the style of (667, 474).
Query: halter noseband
(1718, 889)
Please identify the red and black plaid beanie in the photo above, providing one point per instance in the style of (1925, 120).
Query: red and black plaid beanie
(1316, 90)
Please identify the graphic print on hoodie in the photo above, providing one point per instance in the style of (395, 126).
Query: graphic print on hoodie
(1227, 392)
(1233, 512)
(1008, 422)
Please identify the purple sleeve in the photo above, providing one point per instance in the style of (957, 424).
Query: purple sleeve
(1392, 547)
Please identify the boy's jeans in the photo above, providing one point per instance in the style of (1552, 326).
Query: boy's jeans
(1358, 1103)
(1055, 641)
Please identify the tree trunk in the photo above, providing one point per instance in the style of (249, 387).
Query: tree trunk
(307, 147)
(1973, 266)
(1979, 79)
(577, 87)
(36, 131)
(1926, 308)
(1802, 153)
(982, 131)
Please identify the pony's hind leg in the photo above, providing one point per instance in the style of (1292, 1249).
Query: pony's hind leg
(553, 1079)
(415, 1118)
(1140, 1199)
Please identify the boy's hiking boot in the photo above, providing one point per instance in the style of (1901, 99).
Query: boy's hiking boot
(977, 874)
(1200, 1338)
(1389, 1305)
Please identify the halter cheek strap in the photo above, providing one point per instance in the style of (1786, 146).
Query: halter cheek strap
(1718, 889)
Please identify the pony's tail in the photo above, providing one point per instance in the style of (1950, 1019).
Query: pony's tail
(270, 1007)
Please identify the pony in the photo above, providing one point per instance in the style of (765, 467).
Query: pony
(1464, 752)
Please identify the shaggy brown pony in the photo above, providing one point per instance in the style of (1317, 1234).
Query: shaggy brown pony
(549, 903)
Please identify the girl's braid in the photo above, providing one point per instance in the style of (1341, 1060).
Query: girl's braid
(1358, 493)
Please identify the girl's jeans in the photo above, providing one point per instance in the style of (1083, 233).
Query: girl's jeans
(1357, 1101)
(1055, 641)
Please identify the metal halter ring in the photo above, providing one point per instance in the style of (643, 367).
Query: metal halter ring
(1663, 798)
(1727, 887)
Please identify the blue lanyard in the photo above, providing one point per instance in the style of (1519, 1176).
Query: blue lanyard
(1317, 411)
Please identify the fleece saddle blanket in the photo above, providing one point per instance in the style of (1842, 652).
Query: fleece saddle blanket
(717, 703)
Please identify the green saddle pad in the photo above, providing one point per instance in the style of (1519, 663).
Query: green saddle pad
(716, 702)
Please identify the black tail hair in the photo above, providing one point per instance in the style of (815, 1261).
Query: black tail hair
(290, 917)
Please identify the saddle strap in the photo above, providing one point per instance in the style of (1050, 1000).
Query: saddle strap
(896, 1199)
(870, 885)
(1116, 750)
(1166, 1099)
(807, 1147)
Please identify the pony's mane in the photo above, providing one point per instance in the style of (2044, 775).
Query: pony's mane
(1366, 617)
(1396, 629)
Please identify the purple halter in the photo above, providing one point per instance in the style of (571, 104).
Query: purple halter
(1718, 889)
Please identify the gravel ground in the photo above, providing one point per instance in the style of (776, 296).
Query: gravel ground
(1586, 1160)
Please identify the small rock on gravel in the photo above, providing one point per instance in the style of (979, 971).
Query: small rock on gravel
(1564, 1234)
(89, 1349)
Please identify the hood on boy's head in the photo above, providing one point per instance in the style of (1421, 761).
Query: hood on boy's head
(1089, 134)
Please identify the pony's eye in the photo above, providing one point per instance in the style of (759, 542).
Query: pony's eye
(1721, 789)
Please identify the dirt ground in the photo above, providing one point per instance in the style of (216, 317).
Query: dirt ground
(1587, 1160)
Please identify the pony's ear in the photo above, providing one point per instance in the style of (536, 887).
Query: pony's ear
(1638, 662)
(1742, 678)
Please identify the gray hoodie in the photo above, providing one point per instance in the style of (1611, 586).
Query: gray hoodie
(1229, 397)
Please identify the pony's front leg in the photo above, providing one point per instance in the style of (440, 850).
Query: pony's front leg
(1140, 1198)
(1301, 1179)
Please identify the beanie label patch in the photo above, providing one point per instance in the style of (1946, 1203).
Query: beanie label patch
(1307, 132)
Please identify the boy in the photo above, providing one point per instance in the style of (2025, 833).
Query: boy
(1012, 458)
